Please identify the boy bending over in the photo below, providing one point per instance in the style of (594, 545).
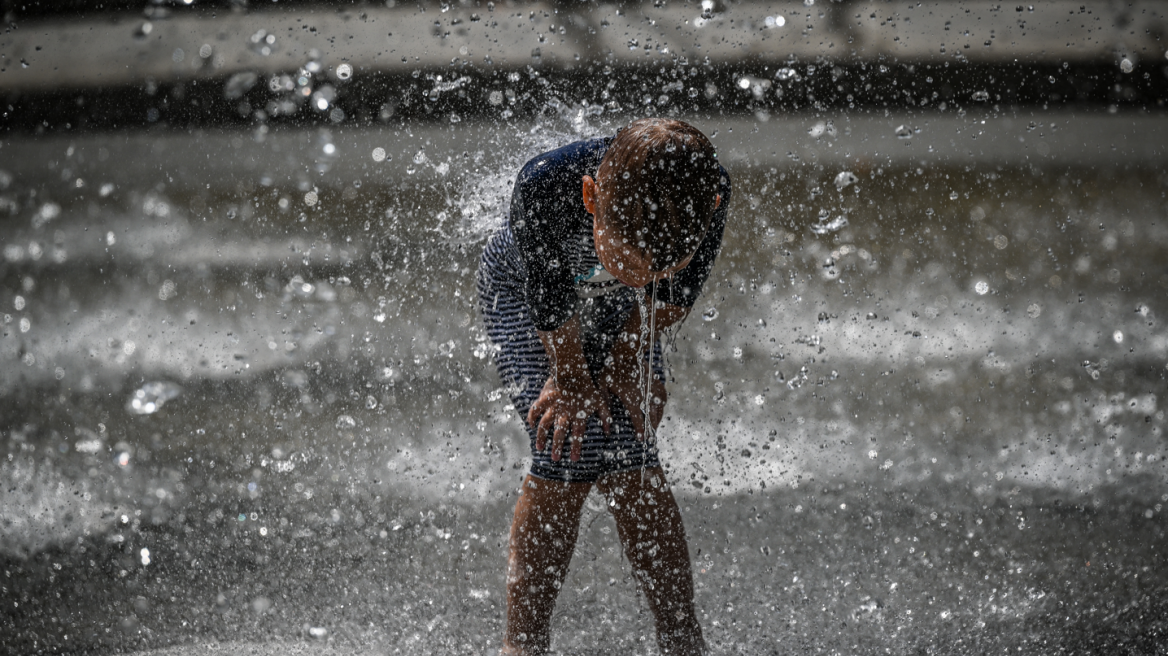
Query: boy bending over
(608, 244)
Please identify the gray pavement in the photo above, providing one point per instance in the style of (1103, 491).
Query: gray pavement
(329, 157)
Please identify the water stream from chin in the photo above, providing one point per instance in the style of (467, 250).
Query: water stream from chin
(646, 405)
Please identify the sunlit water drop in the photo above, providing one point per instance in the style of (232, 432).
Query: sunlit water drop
(824, 226)
(150, 397)
(844, 179)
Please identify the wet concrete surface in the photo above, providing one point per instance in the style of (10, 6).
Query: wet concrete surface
(933, 426)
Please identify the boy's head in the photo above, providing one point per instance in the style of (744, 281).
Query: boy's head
(653, 198)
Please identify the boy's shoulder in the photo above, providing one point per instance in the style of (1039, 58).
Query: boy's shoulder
(574, 159)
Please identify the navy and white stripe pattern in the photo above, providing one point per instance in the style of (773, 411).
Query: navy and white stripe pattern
(523, 364)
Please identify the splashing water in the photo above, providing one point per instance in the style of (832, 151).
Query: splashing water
(486, 183)
(150, 397)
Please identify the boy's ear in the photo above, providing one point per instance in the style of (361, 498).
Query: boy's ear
(589, 194)
(717, 201)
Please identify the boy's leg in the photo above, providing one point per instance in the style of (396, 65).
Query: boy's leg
(543, 536)
(649, 523)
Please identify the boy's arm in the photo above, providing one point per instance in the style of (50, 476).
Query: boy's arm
(569, 397)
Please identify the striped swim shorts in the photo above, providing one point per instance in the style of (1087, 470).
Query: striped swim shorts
(523, 365)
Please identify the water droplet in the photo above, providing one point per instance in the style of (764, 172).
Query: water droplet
(310, 198)
(150, 397)
(144, 556)
(1117, 336)
(981, 96)
(953, 195)
(904, 132)
(370, 402)
(1033, 310)
(379, 154)
(982, 288)
(786, 74)
(834, 225)
(845, 179)
(710, 314)
(345, 421)
(344, 72)
(1001, 242)
(1126, 65)
(239, 84)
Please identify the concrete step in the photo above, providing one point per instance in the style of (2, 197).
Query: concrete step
(103, 51)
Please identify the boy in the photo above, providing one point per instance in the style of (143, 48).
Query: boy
(599, 232)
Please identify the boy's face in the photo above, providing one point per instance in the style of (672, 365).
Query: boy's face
(626, 263)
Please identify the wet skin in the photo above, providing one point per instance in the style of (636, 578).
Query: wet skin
(648, 522)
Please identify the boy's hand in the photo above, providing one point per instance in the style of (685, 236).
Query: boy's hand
(565, 410)
(623, 377)
(569, 396)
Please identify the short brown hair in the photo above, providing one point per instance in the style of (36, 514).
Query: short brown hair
(657, 188)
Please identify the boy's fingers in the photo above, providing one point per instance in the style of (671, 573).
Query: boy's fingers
(657, 404)
(546, 423)
(578, 428)
(558, 437)
(537, 410)
(637, 416)
(602, 413)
